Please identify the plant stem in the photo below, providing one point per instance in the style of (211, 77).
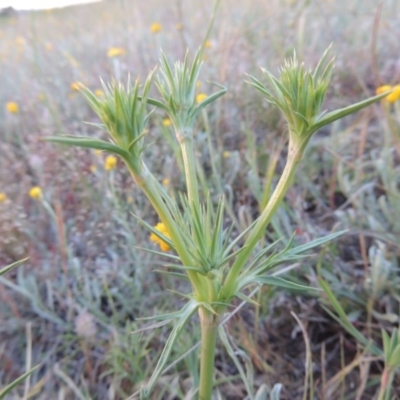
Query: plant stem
(285, 181)
(209, 328)
(148, 184)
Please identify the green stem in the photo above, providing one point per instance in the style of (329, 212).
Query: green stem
(148, 184)
(285, 181)
(209, 328)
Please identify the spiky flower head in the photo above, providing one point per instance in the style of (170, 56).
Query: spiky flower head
(299, 94)
(177, 86)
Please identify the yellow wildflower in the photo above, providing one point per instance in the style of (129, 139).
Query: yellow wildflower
(115, 52)
(154, 238)
(382, 89)
(3, 197)
(226, 154)
(208, 44)
(20, 41)
(155, 27)
(93, 169)
(391, 97)
(97, 152)
(166, 122)
(76, 86)
(110, 163)
(12, 107)
(200, 97)
(166, 182)
(395, 95)
(35, 193)
(99, 93)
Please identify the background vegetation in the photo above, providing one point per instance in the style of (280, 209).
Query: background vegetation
(73, 305)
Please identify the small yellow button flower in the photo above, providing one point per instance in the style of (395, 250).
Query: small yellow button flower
(166, 182)
(226, 154)
(166, 122)
(154, 238)
(200, 97)
(208, 44)
(35, 193)
(76, 86)
(93, 169)
(382, 89)
(155, 27)
(115, 52)
(99, 93)
(12, 107)
(3, 197)
(110, 163)
(395, 95)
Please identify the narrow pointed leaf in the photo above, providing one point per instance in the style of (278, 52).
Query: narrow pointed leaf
(335, 115)
(11, 266)
(245, 298)
(87, 142)
(246, 378)
(279, 282)
(186, 313)
(16, 382)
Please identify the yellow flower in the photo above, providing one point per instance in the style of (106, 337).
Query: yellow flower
(76, 86)
(3, 197)
(166, 182)
(129, 200)
(155, 27)
(97, 152)
(395, 95)
(382, 89)
(35, 193)
(154, 238)
(166, 122)
(208, 44)
(20, 41)
(226, 154)
(93, 169)
(99, 93)
(115, 52)
(179, 26)
(12, 107)
(392, 97)
(110, 163)
(200, 97)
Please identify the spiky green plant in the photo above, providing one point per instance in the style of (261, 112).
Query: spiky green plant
(218, 266)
